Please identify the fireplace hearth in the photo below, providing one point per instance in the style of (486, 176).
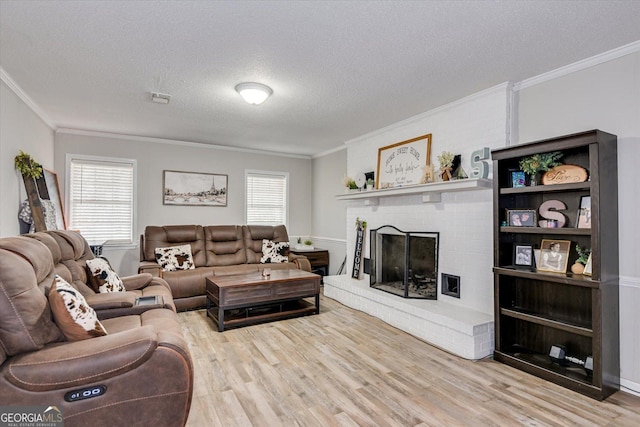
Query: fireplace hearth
(404, 263)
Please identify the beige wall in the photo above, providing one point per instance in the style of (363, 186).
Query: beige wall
(20, 129)
(605, 97)
(154, 156)
(329, 214)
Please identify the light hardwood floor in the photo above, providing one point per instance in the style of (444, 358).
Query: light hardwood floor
(346, 368)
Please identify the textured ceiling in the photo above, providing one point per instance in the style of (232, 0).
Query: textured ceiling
(338, 69)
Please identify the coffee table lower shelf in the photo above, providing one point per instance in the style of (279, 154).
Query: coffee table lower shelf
(252, 314)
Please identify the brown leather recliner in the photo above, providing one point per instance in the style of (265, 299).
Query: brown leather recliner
(70, 251)
(139, 374)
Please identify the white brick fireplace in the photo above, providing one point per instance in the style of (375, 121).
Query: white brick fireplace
(462, 326)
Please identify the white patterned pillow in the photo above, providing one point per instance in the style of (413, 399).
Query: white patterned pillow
(174, 258)
(102, 278)
(273, 252)
(72, 314)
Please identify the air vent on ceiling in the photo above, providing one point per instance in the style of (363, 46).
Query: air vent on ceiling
(160, 98)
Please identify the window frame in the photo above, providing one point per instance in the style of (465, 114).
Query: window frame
(281, 174)
(69, 158)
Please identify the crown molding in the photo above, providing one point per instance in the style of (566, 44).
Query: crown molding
(331, 151)
(99, 134)
(502, 87)
(5, 77)
(610, 55)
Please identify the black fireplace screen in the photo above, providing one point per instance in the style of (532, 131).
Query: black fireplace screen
(404, 263)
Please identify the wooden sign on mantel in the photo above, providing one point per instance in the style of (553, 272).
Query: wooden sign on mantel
(403, 163)
(565, 174)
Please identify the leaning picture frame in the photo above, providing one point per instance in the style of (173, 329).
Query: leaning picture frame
(403, 163)
(194, 189)
(588, 267)
(523, 255)
(51, 202)
(518, 179)
(521, 217)
(554, 255)
(584, 213)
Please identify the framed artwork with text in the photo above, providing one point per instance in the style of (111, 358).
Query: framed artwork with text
(403, 164)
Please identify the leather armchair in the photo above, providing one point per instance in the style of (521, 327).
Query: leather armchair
(142, 369)
(70, 251)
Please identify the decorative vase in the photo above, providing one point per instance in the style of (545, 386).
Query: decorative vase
(533, 180)
(577, 268)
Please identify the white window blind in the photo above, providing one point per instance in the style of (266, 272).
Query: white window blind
(101, 199)
(267, 195)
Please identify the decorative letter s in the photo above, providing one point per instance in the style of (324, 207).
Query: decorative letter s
(479, 165)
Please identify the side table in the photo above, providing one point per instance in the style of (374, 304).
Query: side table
(318, 258)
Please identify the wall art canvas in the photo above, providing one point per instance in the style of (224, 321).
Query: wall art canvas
(194, 189)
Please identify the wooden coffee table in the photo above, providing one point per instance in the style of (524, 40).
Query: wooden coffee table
(243, 299)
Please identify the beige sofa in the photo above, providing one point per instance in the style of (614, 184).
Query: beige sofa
(216, 250)
(140, 373)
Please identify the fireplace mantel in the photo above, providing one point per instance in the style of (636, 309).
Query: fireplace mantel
(431, 193)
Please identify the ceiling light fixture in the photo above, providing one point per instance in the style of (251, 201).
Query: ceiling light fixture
(254, 93)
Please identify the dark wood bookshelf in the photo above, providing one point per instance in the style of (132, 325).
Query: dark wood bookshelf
(535, 310)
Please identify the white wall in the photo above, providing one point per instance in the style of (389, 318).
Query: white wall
(465, 219)
(329, 214)
(154, 156)
(606, 97)
(20, 129)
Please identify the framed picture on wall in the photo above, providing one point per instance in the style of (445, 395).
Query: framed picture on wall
(194, 189)
(403, 163)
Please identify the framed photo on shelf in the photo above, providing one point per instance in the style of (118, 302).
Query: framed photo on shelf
(523, 255)
(554, 255)
(584, 213)
(588, 267)
(521, 217)
(518, 179)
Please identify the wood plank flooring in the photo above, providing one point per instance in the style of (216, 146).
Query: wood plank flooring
(346, 368)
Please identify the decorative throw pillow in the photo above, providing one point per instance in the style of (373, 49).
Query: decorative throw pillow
(273, 252)
(175, 258)
(72, 314)
(102, 278)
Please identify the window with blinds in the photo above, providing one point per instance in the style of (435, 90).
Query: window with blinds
(267, 198)
(101, 198)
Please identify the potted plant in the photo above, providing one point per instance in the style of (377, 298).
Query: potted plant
(370, 184)
(583, 257)
(307, 245)
(28, 167)
(349, 183)
(541, 162)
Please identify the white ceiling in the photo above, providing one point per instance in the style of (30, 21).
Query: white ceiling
(338, 69)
